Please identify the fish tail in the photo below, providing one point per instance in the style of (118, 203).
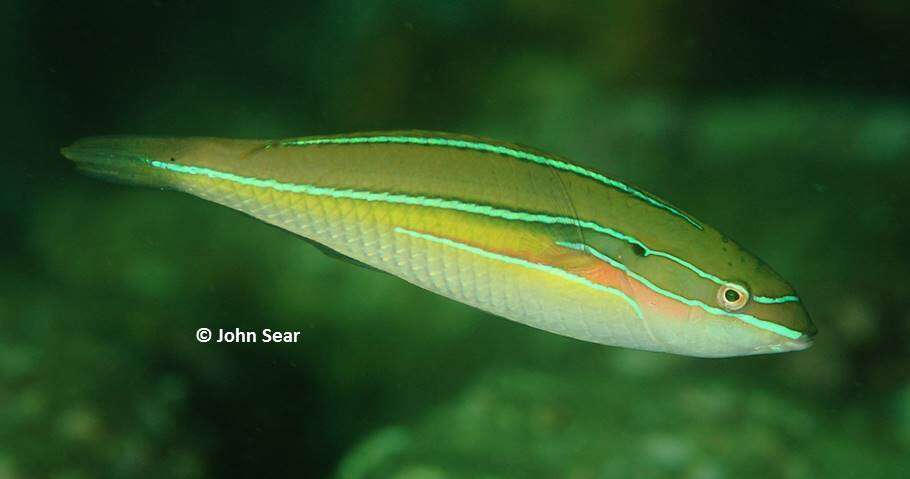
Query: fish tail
(125, 159)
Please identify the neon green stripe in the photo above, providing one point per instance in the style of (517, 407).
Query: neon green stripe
(527, 264)
(782, 299)
(500, 150)
(454, 205)
(760, 323)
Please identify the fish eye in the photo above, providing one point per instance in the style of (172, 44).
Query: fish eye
(732, 296)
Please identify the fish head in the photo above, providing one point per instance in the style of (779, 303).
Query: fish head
(701, 294)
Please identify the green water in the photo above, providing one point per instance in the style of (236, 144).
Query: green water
(786, 127)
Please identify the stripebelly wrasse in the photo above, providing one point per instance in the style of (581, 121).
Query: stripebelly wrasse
(507, 229)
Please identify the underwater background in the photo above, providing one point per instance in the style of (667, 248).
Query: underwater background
(785, 126)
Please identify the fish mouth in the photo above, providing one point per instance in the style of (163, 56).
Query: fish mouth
(803, 342)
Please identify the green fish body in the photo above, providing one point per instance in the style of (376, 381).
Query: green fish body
(507, 229)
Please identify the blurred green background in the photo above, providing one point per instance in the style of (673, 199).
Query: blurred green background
(785, 126)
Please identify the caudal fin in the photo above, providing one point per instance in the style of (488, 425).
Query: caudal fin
(123, 159)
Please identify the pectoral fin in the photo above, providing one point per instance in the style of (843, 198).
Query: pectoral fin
(339, 256)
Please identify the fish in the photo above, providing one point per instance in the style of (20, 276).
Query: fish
(504, 228)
